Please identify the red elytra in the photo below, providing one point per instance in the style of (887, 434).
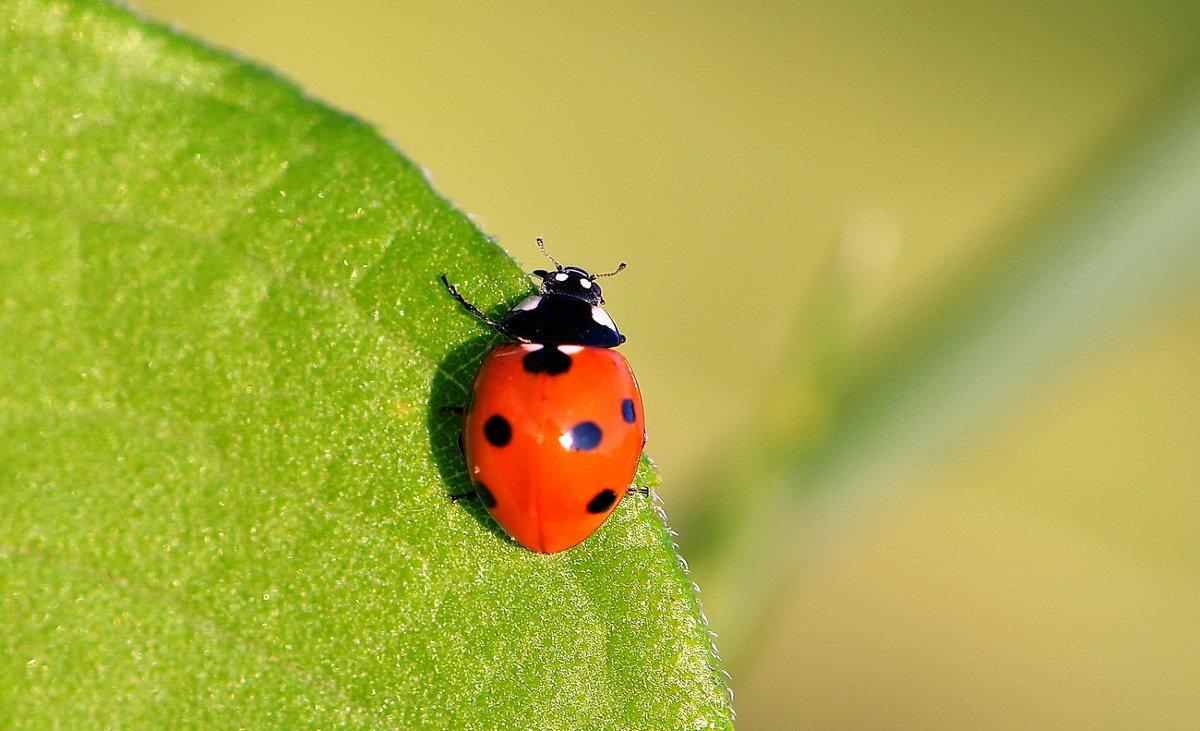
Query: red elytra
(553, 428)
(551, 456)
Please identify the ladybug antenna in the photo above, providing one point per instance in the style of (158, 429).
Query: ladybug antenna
(609, 274)
(542, 246)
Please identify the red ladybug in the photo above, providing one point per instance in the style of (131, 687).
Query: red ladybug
(553, 427)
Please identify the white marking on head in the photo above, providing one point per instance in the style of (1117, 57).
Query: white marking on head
(529, 303)
(585, 283)
(560, 277)
(570, 349)
(601, 317)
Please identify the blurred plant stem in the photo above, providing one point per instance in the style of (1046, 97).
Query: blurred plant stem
(845, 428)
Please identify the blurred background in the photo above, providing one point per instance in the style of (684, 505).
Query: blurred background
(913, 296)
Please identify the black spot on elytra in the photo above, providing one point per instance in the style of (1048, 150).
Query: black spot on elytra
(497, 431)
(585, 436)
(602, 502)
(485, 495)
(627, 412)
(546, 359)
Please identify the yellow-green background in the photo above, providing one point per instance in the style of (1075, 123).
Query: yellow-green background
(1043, 570)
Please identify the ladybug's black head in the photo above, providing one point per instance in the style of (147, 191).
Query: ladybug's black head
(567, 311)
(571, 281)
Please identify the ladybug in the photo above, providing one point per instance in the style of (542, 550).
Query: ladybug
(553, 428)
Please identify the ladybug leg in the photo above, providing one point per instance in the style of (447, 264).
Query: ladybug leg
(498, 327)
(638, 490)
(463, 496)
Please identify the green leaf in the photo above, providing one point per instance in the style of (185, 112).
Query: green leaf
(224, 473)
